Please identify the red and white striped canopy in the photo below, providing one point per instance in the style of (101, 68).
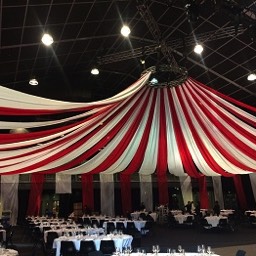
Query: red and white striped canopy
(189, 129)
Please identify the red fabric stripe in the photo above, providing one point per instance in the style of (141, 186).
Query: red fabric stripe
(87, 190)
(181, 142)
(35, 195)
(139, 155)
(200, 145)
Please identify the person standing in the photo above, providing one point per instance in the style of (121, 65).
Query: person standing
(216, 208)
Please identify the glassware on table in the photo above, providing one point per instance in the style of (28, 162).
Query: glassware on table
(209, 250)
(143, 252)
(129, 249)
(157, 249)
(179, 248)
(169, 251)
(154, 249)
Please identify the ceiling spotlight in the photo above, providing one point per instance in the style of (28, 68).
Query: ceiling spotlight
(125, 31)
(198, 49)
(142, 61)
(153, 81)
(47, 39)
(33, 81)
(251, 77)
(95, 71)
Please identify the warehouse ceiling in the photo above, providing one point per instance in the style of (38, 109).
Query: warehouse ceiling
(87, 34)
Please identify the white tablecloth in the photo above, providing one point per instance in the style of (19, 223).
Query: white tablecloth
(120, 241)
(61, 232)
(8, 252)
(214, 220)
(182, 217)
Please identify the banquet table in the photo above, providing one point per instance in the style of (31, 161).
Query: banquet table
(182, 217)
(120, 241)
(214, 220)
(88, 231)
(8, 252)
(227, 212)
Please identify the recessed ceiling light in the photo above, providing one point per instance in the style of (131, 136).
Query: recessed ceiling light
(95, 71)
(251, 77)
(125, 31)
(198, 49)
(33, 81)
(47, 39)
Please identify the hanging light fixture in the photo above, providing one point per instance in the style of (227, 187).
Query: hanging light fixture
(125, 31)
(95, 71)
(251, 77)
(33, 81)
(198, 48)
(47, 39)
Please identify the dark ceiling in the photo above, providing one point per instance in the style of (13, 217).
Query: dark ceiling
(87, 33)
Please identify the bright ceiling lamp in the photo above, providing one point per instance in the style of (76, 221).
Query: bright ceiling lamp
(95, 71)
(198, 49)
(251, 77)
(47, 39)
(125, 31)
(33, 81)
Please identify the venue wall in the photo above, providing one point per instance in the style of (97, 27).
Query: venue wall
(66, 201)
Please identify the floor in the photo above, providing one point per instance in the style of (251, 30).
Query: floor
(224, 243)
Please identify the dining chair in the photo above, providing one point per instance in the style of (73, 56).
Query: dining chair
(107, 246)
(120, 226)
(48, 245)
(96, 253)
(110, 226)
(86, 246)
(67, 248)
(240, 253)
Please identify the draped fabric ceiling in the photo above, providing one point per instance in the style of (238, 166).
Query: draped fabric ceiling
(189, 129)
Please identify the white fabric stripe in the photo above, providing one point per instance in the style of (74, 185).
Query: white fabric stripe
(193, 149)
(15, 153)
(225, 142)
(85, 124)
(174, 161)
(104, 153)
(28, 125)
(9, 196)
(107, 194)
(127, 156)
(226, 103)
(10, 98)
(149, 163)
(186, 189)
(236, 120)
(219, 158)
(253, 184)
(75, 152)
(218, 193)
(63, 183)
(146, 193)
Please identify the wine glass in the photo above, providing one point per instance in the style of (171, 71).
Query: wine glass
(157, 249)
(179, 248)
(169, 251)
(129, 249)
(199, 248)
(154, 249)
(209, 250)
